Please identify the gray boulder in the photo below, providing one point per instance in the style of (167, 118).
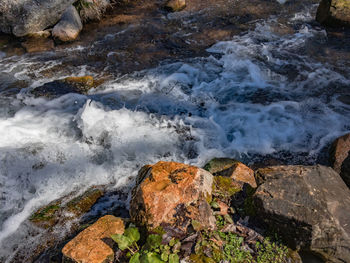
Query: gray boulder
(23, 17)
(309, 206)
(69, 26)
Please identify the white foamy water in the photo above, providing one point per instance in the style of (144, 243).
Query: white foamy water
(257, 94)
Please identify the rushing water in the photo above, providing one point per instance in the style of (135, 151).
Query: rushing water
(258, 94)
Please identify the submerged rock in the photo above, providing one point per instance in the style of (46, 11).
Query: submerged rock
(175, 5)
(60, 87)
(69, 27)
(94, 244)
(334, 12)
(38, 44)
(340, 157)
(169, 193)
(25, 17)
(309, 206)
(58, 212)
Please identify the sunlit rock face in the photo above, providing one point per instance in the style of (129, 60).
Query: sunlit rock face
(91, 245)
(170, 193)
(24, 17)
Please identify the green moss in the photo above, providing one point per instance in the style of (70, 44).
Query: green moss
(194, 258)
(225, 186)
(159, 230)
(209, 198)
(196, 225)
(45, 214)
(83, 203)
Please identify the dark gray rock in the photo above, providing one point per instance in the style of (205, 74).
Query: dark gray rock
(309, 206)
(69, 26)
(23, 17)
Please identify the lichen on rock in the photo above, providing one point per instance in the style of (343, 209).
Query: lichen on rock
(172, 193)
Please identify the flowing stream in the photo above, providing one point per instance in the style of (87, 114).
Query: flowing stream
(259, 94)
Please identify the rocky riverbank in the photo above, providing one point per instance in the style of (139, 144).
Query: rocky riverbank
(221, 212)
(241, 98)
(199, 217)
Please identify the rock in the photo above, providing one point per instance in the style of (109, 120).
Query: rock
(69, 27)
(175, 5)
(60, 87)
(340, 157)
(40, 34)
(35, 44)
(57, 213)
(309, 206)
(231, 168)
(25, 17)
(224, 188)
(92, 244)
(334, 12)
(172, 194)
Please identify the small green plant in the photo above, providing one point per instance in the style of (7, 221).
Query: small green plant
(271, 252)
(208, 246)
(233, 248)
(128, 240)
(153, 251)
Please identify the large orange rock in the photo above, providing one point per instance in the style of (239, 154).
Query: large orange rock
(90, 245)
(231, 168)
(170, 193)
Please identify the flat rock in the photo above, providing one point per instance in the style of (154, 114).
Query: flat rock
(58, 212)
(61, 87)
(69, 27)
(309, 206)
(169, 193)
(35, 44)
(340, 157)
(92, 244)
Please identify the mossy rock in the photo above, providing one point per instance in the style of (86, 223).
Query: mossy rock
(57, 212)
(46, 216)
(218, 165)
(83, 203)
(225, 187)
(80, 85)
(84, 82)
